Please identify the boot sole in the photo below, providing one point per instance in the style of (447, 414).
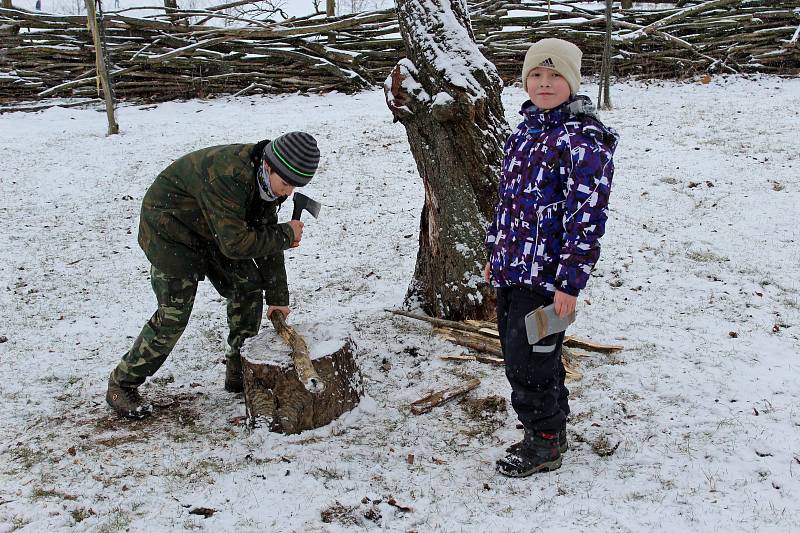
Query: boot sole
(131, 415)
(544, 467)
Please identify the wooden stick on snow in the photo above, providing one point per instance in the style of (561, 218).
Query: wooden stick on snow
(479, 358)
(423, 405)
(591, 346)
(488, 329)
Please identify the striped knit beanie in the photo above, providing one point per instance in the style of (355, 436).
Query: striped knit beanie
(294, 156)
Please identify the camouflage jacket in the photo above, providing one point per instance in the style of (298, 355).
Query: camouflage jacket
(205, 205)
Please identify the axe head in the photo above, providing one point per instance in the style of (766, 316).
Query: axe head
(301, 202)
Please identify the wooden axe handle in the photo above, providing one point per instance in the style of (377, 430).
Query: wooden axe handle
(302, 362)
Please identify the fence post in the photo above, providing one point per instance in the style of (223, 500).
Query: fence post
(100, 63)
(330, 11)
(604, 87)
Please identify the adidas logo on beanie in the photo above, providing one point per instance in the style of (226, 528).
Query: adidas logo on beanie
(294, 156)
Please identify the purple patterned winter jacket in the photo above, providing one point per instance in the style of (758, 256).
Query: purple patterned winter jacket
(553, 199)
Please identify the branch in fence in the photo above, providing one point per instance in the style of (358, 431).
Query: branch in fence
(689, 11)
(84, 81)
(253, 86)
(50, 51)
(675, 40)
(186, 49)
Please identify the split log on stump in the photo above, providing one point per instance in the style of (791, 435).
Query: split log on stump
(275, 395)
(302, 364)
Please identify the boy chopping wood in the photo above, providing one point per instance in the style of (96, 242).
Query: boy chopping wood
(544, 241)
(214, 213)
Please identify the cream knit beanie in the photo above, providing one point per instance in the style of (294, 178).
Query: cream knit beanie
(557, 54)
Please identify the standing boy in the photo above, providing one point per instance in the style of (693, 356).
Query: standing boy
(544, 240)
(214, 213)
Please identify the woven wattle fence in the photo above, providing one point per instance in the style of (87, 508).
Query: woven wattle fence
(175, 56)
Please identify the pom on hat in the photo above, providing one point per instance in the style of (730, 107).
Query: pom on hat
(294, 156)
(557, 54)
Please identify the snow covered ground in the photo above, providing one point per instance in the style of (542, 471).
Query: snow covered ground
(698, 279)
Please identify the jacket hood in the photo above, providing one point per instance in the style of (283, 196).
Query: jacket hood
(577, 107)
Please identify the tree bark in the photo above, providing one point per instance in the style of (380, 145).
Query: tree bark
(447, 95)
(275, 396)
(7, 4)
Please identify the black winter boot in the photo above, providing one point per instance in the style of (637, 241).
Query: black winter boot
(537, 453)
(126, 401)
(563, 444)
(234, 380)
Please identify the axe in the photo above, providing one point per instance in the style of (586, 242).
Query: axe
(303, 202)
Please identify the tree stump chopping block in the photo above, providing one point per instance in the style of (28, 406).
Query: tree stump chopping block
(275, 395)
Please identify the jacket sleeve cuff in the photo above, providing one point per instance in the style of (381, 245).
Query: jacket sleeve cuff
(562, 286)
(278, 299)
(289, 233)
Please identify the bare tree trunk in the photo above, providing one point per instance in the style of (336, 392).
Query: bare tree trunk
(627, 4)
(330, 11)
(447, 95)
(7, 4)
(171, 8)
(604, 88)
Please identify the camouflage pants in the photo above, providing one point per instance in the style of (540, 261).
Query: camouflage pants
(175, 301)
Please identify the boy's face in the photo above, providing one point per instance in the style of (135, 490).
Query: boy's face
(547, 88)
(279, 185)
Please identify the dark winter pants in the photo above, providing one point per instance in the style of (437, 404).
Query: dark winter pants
(536, 373)
(175, 301)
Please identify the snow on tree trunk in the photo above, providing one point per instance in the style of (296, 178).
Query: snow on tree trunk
(447, 95)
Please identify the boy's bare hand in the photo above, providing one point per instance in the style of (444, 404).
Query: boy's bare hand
(564, 304)
(282, 308)
(487, 272)
(297, 228)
